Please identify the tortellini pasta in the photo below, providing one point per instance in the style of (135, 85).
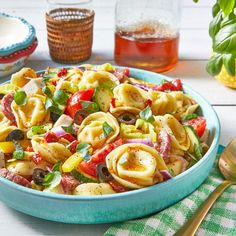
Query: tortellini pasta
(131, 96)
(91, 130)
(33, 113)
(91, 189)
(135, 165)
(50, 152)
(92, 79)
(179, 137)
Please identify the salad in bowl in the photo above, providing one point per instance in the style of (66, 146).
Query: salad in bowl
(96, 130)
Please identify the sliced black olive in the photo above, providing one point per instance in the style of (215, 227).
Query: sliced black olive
(38, 176)
(1, 95)
(80, 115)
(16, 134)
(54, 116)
(127, 118)
(103, 174)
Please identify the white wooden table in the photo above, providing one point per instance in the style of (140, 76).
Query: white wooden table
(195, 47)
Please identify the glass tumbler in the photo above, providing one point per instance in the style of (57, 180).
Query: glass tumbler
(147, 33)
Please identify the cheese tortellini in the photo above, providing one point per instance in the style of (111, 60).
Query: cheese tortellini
(92, 79)
(131, 96)
(50, 152)
(32, 113)
(135, 165)
(91, 129)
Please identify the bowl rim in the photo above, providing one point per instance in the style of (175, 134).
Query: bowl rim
(4, 51)
(214, 145)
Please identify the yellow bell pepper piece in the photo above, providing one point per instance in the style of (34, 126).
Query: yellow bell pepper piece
(9, 147)
(72, 162)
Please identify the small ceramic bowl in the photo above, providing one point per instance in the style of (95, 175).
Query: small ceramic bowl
(15, 34)
(120, 206)
(13, 62)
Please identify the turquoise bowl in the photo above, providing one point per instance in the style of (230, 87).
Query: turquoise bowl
(121, 206)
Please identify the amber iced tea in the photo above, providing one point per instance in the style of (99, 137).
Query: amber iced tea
(150, 46)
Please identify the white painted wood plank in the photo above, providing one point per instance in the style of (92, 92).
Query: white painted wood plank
(29, 4)
(104, 17)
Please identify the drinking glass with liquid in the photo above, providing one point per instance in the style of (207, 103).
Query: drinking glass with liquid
(147, 34)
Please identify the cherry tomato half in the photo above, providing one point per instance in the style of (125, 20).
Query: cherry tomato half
(199, 124)
(73, 103)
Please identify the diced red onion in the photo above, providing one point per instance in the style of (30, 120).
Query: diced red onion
(145, 87)
(143, 141)
(58, 131)
(166, 174)
(164, 141)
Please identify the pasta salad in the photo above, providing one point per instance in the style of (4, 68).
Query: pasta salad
(94, 130)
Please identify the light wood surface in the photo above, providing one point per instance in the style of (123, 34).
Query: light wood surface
(195, 48)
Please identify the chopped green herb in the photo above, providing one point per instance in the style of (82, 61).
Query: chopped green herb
(52, 180)
(52, 106)
(60, 97)
(39, 129)
(48, 179)
(20, 98)
(107, 129)
(47, 91)
(163, 81)
(19, 153)
(146, 114)
(198, 151)
(189, 117)
(69, 129)
(91, 107)
(82, 148)
(57, 166)
(48, 75)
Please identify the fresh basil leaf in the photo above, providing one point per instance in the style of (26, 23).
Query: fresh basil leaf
(52, 106)
(57, 166)
(48, 75)
(46, 90)
(91, 107)
(146, 114)
(229, 20)
(215, 25)
(82, 148)
(215, 64)
(227, 6)
(48, 179)
(229, 63)
(19, 153)
(20, 98)
(60, 97)
(107, 129)
(215, 9)
(196, 1)
(225, 40)
(189, 117)
(69, 129)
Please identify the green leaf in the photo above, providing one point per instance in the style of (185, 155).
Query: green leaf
(82, 148)
(215, 25)
(60, 97)
(57, 166)
(196, 1)
(19, 153)
(215, 64)
(107, 129)
(48, 75)
(52, 180)
(20, 98)
(38, 129)
(215, 9)
(225, 39)
(227, 6)
(46, 90)
(52, 106)
(146, 114)
(189, 117)
(69, 129)
(229, 63)
(198, 151)
(163, 81)
(91, 107)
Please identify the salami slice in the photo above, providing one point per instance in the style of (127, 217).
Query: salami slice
(6, 107)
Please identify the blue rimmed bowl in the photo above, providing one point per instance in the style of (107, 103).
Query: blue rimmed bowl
(121, 206)
(16, 34)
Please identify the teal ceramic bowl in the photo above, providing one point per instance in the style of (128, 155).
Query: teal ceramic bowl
(121, 206)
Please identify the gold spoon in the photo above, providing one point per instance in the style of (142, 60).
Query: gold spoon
(227, 166)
